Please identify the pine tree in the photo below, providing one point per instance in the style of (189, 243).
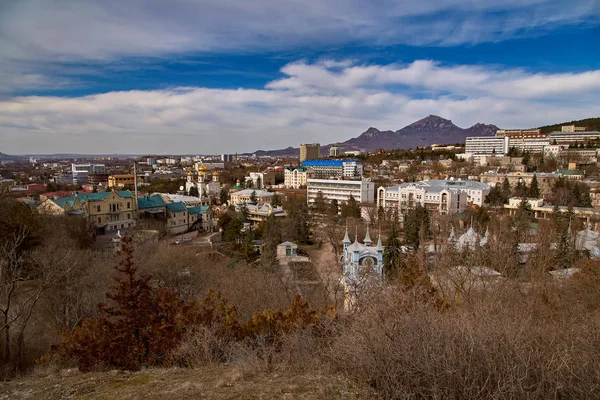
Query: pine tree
(193, 191)
(534, 189)
(506, 190)
(392, 255)
(319, 206)
(253, 197)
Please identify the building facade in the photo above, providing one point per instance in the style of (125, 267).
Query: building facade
(340, 190)
(296, 178)
(545, 180)
(328, 169)
(310, 151)
(244, 196)
(478, 146)
(334, 151)
(120, 181)
(105, 211)
(440, 196)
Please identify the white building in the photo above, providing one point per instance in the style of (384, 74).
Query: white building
(296, 178)
(529, 145)
(486, 146)
(81, 172)
(442, 196)
(328, 169)
(571, 137)
(340, 190)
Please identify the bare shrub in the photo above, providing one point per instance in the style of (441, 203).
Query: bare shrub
(507, 349)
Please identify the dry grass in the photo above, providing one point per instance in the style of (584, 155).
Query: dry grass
(208, 382)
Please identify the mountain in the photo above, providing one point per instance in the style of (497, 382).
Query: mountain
(424, 132)
(7, 157)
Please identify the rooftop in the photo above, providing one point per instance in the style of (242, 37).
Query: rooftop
(327, 163)
(63, 201)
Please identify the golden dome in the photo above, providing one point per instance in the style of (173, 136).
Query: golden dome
(202, 168)
(215, 173)
(190, 173)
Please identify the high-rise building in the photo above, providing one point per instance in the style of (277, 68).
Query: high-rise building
(310, 151)
(80, 172)
(334, 151)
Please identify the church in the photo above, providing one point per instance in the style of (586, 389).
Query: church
(362, 264)
(207, 187)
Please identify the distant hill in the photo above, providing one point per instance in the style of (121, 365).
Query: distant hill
(8, 157)
(592, 124)
(422, 133)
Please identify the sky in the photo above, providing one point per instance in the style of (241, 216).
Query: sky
(225, 76)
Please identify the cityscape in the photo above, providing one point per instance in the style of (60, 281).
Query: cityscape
(289, 200)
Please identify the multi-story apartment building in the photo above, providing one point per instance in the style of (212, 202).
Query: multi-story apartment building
(310, 151)
(105, 211)
(363, 191)
(572, 137)
(260, 180)
(530, 144)
(177, 218)
(521, 133)
(296, 178)
(440, 196)
(328, 169)
(478, 147)
(80, 172)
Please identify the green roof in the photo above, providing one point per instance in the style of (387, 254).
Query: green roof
(177, 207)
(569, 172)
(150, 202)
(63, 201)
(197, 210)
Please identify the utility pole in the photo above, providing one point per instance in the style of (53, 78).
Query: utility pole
(135, 186)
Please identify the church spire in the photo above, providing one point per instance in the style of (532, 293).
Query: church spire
(367, 240)
(346, 238)
(379, 244)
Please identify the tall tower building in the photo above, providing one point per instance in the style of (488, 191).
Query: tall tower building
(334, 151)
(310, 151)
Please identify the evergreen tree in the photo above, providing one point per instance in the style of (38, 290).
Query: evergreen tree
(276, 200)
(506, 190)
(534, 189)
(319, 206)
(351, 209)
(520, 189)
(495, 198)
(334, 209)
(223, 196)
(253, 197)
(193, 191)
(392, 255)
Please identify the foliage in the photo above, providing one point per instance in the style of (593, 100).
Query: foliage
(534, 188)
(319, 206)
(351, 209)
(141, 325)
(193, 191)
(393, 262)
(592, 124)
(417, 226)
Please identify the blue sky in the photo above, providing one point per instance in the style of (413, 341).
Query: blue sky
(217, 76)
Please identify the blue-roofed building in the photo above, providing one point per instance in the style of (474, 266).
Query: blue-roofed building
(105, 211)
(335, 169)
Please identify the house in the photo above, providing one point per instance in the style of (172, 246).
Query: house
(106, 211)
(287, 249)
(177, 218)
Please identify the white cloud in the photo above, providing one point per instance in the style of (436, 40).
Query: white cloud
(326, 102)
(108, 29)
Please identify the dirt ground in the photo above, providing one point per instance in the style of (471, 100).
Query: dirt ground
(211, 382)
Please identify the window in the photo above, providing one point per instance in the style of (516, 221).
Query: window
(99, 220)
(98, 208)
(128, 216)
(128, 204)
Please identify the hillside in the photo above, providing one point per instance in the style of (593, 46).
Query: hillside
(592, 124)
(421, 133)
(8, 157)
(210, 382)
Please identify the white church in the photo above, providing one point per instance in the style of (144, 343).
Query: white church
(207, 187)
